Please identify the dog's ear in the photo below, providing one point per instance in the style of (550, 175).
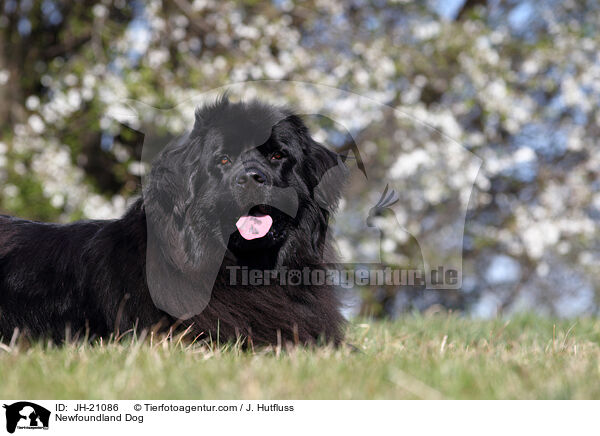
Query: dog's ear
(328, 173)
(165, 187)
(324, 170)
(180, 269)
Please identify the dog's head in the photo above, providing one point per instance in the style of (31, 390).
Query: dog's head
(249, 179)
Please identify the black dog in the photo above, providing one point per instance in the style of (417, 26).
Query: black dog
(247, 189)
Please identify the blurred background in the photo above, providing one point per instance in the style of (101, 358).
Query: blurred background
(515, 83)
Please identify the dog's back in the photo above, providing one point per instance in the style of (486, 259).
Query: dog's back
(40, 275)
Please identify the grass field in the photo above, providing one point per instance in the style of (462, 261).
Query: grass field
(415, 357)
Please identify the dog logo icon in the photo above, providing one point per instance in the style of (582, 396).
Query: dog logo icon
(26, 415)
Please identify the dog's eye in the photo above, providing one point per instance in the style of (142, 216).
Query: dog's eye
(224, 160)
(277, 155)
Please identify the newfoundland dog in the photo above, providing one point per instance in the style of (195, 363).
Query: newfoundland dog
(228, 214)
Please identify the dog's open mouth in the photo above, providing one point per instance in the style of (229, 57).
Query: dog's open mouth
(256, 224)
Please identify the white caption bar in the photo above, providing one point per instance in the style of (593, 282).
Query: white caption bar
(297, 417)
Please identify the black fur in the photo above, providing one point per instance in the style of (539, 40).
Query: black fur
(91, 277)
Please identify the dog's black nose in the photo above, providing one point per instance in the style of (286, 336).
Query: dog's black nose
(251, 174)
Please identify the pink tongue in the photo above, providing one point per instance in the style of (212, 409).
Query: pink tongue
(252, 227)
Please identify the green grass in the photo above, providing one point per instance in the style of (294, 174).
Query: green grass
(415, 357)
